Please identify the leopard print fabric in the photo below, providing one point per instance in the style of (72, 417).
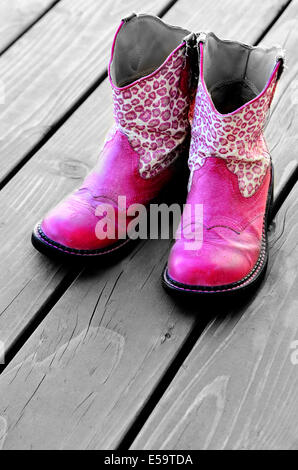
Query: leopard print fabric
(236, 137)
(153, 114)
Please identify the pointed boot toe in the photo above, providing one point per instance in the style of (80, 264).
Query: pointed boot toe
(70, 228)
(222, 264)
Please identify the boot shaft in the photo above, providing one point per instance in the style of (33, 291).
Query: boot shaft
(150, 78)
(236, 86)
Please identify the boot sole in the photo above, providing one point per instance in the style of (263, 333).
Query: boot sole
(251, 281)
(53, 249)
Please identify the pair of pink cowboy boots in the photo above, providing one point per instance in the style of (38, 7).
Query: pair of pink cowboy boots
(168, 83)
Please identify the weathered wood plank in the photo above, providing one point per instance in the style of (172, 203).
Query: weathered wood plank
(27, 279)
(70, 30)
(88, 369)
(91, 367)
(238, 387)
(52, 66)
(221, 17)
(283, 144)
(63, 54)
(17, 15)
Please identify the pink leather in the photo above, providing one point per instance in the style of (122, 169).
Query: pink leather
(139, 156)
(232, 229)
(230, 177)
(72, 223)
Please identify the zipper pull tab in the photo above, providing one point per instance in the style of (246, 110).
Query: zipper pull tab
(128, 18)
(190, 42)
(201, 38)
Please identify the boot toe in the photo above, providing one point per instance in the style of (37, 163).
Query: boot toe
(213, 265)
(72, 224)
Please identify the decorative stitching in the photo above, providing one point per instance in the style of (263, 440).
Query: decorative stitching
(242, 283)
(74, 251)
(249, 278)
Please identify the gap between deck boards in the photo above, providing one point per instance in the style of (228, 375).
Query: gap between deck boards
(76, 104)
(28, 27)
(96, 83)
(71, 276)
(280, 197)
(74, 272)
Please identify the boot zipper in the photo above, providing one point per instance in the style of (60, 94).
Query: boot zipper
(201, 38)
(191, 54)
(190, 43)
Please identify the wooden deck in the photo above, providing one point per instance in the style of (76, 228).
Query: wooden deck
(104, 358)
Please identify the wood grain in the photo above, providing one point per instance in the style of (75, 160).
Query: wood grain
(60, 57)
(281, 132)
(27, 278)
(16, 16)
(88, 369)
(51, 67)
(222, 17)
(238, 387)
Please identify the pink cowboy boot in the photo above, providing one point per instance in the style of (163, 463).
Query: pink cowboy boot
(224, 248)
(150, 79)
